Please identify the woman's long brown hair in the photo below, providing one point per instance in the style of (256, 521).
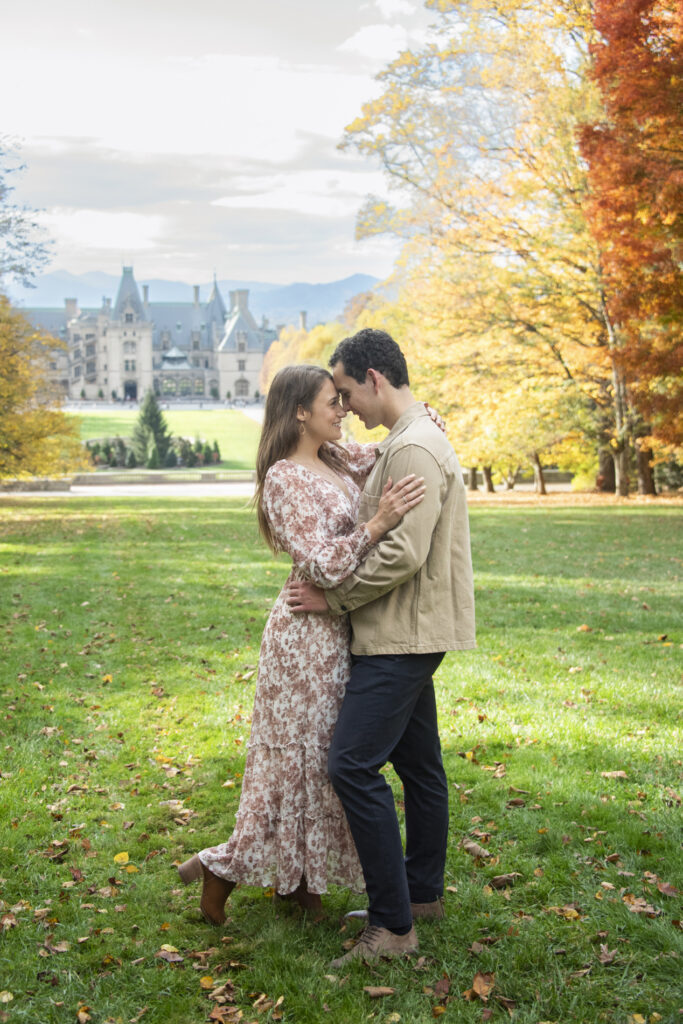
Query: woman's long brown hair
(292, 386)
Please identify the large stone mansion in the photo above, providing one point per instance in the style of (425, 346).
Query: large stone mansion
(180, 350)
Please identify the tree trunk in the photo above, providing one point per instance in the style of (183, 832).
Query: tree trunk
(488, 479)
(472, 481)
(539, 479)
(646, 480)
(621, 467)
(606, 480)
(510, 481)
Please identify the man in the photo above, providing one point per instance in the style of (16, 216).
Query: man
(409, 602)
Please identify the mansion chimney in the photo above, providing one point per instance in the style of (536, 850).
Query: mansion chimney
(302, 320)
(145, 294)
(71, 307)
(239, 300)
(196, 295)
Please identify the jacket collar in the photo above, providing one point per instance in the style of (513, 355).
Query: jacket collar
(413, 412)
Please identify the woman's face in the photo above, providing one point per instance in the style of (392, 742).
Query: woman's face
(323, 421)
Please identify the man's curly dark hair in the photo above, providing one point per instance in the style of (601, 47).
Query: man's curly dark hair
(370, 349)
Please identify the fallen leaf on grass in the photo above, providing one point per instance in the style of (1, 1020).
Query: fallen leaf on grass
(170, 954)
(225, 1014)
(516, 802)
(606, 955)
(667, 889)
(83, 1016)
(502, 881)
(8, 921)
(482, 985)
(121, 858)
(6, 997)
(638, 905)
(206, 982)
(508, 1004)
(442, 987)
(474, 849)
(377, 991)
(614, 775)
(568, 911)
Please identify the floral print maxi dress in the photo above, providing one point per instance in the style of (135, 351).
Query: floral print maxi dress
(290, 822)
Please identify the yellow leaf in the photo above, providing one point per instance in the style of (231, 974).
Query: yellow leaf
(206, 981)
(6, 997)
(131, 869)
(121, 858)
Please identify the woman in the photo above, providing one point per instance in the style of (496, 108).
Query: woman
(290, 831)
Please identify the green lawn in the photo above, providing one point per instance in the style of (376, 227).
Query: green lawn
(130, 632)
(237, 434)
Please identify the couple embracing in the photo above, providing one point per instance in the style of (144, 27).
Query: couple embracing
(380, 588)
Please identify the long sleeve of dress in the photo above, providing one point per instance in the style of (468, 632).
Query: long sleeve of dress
(362, 457)
(295, 503)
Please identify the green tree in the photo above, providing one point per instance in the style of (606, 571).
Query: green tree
(151, 422)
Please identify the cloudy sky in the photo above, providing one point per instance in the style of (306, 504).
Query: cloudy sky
(187, 138)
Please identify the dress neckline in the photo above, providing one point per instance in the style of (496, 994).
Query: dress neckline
(341, 486)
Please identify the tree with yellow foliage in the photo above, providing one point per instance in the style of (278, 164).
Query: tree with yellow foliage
(500, 274)
(36, 437)
(297, 345)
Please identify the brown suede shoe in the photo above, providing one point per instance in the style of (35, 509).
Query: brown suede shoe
(376, 942)
(215, 892)
(435, 909)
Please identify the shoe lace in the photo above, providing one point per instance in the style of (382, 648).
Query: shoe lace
(370, 936)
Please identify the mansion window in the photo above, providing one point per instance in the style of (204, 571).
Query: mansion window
(91, 368)
(241, 341)
(185, 386)
(77, 371)
(241, 388)
(129, 365)
(77, 355)
(90, 350)
(128, 318)
(241, 365)
(169, 387)
(199, 386)
(129, 346)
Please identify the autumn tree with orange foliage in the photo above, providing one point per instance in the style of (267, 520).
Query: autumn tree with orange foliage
(635, 202)
(500, 280)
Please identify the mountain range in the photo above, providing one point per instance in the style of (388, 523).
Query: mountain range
(280, 304)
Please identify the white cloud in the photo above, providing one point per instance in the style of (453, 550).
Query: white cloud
(123, 232)
(224, 104)
(380, 42)
(390, 8)
(321, 193)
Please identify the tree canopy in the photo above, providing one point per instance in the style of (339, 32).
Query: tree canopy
(36, 437)
(22, 250)
(501, 286)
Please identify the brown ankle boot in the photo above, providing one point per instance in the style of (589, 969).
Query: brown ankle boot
(215, 892)
(309, 901)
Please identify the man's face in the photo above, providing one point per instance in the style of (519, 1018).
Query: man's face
(360, 399)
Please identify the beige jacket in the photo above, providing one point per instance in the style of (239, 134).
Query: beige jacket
(414, 592)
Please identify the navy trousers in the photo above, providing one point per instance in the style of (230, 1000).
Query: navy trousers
(389, 714)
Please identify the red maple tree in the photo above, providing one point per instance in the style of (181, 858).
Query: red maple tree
(635, 171)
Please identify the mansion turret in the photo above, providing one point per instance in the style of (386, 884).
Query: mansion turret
(180, 350)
